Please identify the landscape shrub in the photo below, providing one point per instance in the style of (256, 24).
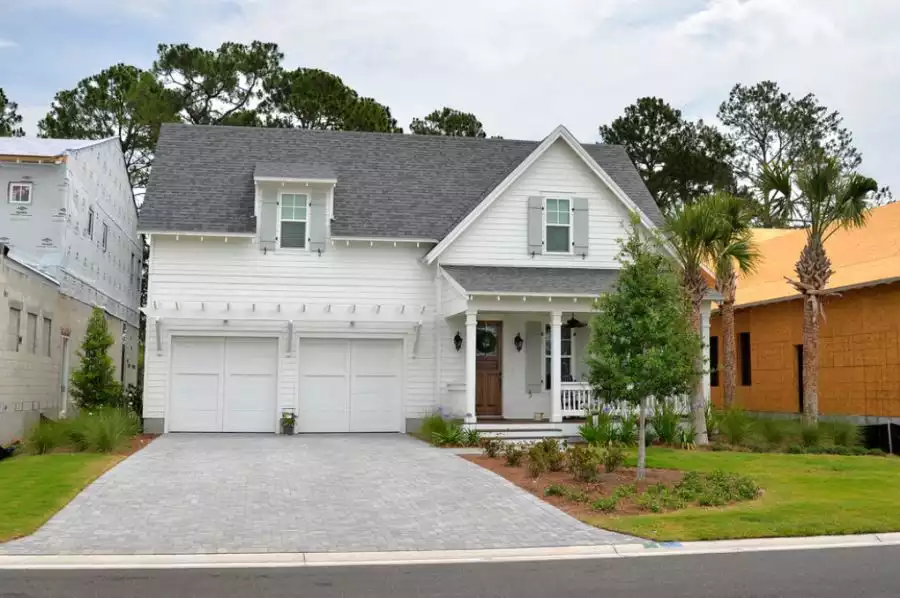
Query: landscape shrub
(471, 437)
(584, 463)
(843, 433)
(627, 432)
(431, 424)
(606, 504)
(109, 429)
(657, 498)
(94, 383)
(553, 451)
(75, 431)
(811, 436)
(713, 417)
(758, 446)
(796, 449)
(713, 489)
(665, 420)
(452, 435)
(556, 490)
(626, 491)
(688, 437)
(597, 430)
(772, 430)
(613, 457)
(536, 464)
(514, 453)
(735, 425)
(492, 446)
(43, 437)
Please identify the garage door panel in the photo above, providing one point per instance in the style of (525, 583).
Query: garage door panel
(350, 386)
(223, 384)
(201, 412)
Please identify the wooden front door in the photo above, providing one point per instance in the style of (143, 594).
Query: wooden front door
(488, 369)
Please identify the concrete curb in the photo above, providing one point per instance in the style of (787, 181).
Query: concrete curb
(334, 559)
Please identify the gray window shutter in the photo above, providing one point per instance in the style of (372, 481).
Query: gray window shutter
(316, 225)
(535, 223)
(580, 226)
(534, 356)
(268, 222)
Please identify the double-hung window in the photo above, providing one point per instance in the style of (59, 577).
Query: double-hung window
(558, 226)
(292, 223)
(19, 193)
(565, 355)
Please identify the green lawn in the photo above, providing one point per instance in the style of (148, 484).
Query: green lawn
(804, 495)
(34, 488)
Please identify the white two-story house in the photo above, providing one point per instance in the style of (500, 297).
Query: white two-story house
(364, 281)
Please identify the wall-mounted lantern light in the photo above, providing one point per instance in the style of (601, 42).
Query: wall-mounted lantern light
(518, 342)
(457, 341)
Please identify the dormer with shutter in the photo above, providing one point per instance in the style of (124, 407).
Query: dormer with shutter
(294, 206)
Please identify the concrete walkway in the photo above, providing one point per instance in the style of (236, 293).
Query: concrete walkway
(203, 494)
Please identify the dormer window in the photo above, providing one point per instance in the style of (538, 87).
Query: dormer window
(20, 193)
(558, 226)
(292, 219)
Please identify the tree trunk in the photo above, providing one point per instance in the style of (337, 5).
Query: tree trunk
(642, 440)
(696, 287)
(810, 362)
(814, 271)
(728, 374)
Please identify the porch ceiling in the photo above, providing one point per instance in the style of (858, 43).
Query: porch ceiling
(484, 280)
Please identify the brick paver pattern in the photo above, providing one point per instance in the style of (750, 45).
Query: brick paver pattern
(219, 493)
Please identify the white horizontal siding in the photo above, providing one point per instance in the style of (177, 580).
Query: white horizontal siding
(214, 273)
(499, 236)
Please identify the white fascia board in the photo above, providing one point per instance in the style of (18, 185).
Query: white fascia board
(453, 284)
(507, 294)
(381, 239)
(279, 179)
(193, 233)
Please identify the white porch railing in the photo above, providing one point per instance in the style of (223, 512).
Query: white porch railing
(578, 397)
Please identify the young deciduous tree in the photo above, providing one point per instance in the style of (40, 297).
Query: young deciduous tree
(94, 383)
(642, 343)
(10, 119)
(448, 122)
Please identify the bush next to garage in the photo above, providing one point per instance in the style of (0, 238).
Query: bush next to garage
(103, 430)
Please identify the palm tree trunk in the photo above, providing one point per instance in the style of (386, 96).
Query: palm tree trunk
(810, 361)
(728, 287)
(696, 288)
(813, 269)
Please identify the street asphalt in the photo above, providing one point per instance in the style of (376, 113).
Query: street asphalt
(825, 573)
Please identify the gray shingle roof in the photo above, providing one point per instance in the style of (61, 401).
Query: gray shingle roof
(293, 170)
(565, 281)
(402, 186)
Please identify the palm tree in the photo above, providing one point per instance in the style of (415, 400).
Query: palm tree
(826, 199)
(693, 232)
(733, 247)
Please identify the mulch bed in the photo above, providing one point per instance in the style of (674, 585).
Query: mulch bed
(605, 486)
(137, 443)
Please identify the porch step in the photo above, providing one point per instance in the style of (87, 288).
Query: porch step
(522, 433)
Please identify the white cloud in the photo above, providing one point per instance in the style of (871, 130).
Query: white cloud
(7, 43)
(524, 66)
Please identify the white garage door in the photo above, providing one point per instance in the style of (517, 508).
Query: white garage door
(350, 386)
(223, 385)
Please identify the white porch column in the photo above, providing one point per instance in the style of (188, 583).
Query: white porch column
(555, 366)
(705, 308)
(471, 324)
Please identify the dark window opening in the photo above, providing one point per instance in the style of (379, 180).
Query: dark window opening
(744, 358)
(714, 361)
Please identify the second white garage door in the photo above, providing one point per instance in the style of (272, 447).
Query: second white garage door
(223, 384)
(350, 386)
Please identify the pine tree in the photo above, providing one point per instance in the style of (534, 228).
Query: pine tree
(94, 383)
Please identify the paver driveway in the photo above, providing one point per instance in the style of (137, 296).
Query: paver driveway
(241, 493)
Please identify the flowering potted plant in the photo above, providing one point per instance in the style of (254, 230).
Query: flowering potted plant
(288, 420)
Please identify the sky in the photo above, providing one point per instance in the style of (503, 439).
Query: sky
(522, 66)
